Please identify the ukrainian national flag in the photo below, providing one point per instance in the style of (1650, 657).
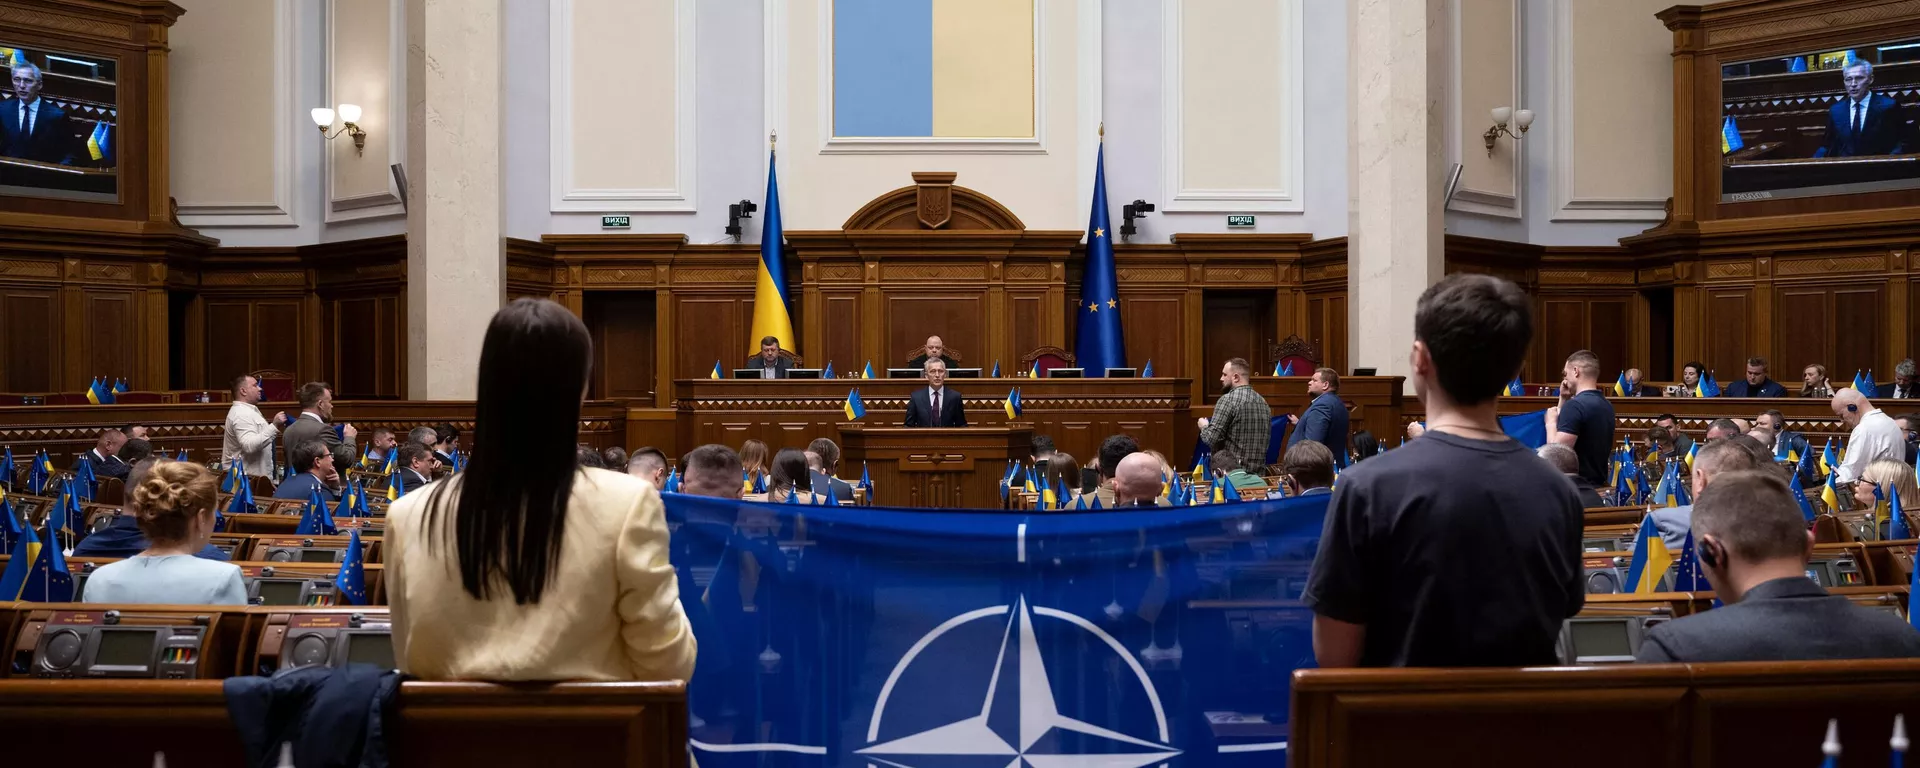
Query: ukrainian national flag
(1620, 385)
(48, 581)
(1830, 495)
(1012, 403)
(932, 68)
(1827, 459)
(1650, 559)
(119, 387)
(854, 408)
(716, 371)
(1145, 373)
(1692, 451)
(867, 372)
(1099, 345)
(771, 316)
(6, 470)
(395, 486)
(1730, 136)
(100, 142)
(10, 528)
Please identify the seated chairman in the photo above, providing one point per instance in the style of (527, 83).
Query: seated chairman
(770, 363)
(936, 349)
(1753, 545)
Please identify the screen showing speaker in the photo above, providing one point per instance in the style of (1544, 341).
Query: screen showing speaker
(59, 124)
(1820, 122)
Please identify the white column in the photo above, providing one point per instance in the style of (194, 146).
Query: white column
(1395, 89)
(456, 260)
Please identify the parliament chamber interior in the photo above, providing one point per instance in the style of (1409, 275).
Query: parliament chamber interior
(821, 383)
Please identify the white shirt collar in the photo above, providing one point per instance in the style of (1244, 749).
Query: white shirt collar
(316, 417)
(97, 454)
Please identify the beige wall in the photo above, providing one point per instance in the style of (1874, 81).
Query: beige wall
(1232, 131)
(362, 69)
(1042, 184)
(227, 98)
(1488, 66)
(618, 106)
(1614, 102)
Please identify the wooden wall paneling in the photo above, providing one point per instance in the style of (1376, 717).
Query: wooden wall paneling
(1858, 319)
(1154, 332)
(355, 327)
(111, 334)
(1335, 350)
(278, 333)
(1802, 330)
(1563, 326)
(229, 326)
(1608, 326)
(958, 319)
(31, 328)
(840, 338)
(623, 330)
(1029, 324)
(1895, 321)
(706, 327)
(1726, 321)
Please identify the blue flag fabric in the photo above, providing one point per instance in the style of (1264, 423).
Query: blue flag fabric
(351, 581)
(11, 529)
(1528, 428)
(897, 637)
(1098, 345)
(7, 469)
(49, 581)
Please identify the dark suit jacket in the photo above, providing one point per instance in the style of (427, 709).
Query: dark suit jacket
(104, 468)
(301, 487)
(1886, 392)
(123, 538)
(1589, 496)
(1884, 133)
(1790, 619)
(1325, 422)
(302, 429)
(920, 409)
(1741, 388)
(410, 480)
(780, 365)
(822, 484)
(52, 139)
(919, 361)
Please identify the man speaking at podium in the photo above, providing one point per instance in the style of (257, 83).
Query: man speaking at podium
(1863, 122)
(937, 405)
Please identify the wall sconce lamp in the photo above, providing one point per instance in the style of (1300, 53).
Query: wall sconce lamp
(350, 125)
(1501, 116)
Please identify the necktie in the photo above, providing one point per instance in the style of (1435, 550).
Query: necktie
(936, 407)
(26, 116)
(1858, 123)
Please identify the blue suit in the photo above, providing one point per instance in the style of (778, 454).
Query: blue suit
(1884, 132)
(1325, 422)
(124, 539)
(301, 487)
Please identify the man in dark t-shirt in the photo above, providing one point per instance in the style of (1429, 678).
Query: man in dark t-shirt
(1461, 548)
(1584, 419)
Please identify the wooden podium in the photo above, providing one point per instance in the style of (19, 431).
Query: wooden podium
(925, 467)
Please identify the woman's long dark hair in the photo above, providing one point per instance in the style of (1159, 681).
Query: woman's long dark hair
(790, 471)
(510, 516)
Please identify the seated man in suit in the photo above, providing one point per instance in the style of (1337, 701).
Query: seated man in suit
(711, 470)
(1909, 424)
(101, 455)
(131, 452)
(1564, 459)
(1307, 469)
(824, 475)
(416, 466)
(1325, 421)
(122, 537)
(1903, 386)
(1632, 379)
(314, 422)
(31, 127)
(1756, 384)
(935, 350)
(937, 405)
(1785, 442)
(446, 442)
(771, 363)
(378, 446)
(649, 464)
(1681, 442)
(1753, 546)
(1137, 482)
(313, 460)
(1863, 123)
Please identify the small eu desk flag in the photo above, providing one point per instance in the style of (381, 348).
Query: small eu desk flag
(351, 581)
(854, 408)
(49, 581)
(1099, 344)
(771, 316)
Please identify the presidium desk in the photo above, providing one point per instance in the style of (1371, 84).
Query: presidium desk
(934, 467)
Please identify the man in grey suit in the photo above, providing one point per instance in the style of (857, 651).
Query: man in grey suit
(314, 422)
(1753, 546)
(1718, 458)
(770, 362)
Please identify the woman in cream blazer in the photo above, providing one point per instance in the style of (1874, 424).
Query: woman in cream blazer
(586, 592)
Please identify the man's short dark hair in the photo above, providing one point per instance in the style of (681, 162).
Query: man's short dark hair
(238, 382)
(1042, 445)
(587, 456)
(1586, 362)
(646, 455)
(444, 432)
(765, 340)
(1760, 451)
(1112, 450)
(305, 454)
(1330, 376)
(1240, 366)
(129, 427)
(1779, 419)
(1759, 361)
(311, 392)
(422, 436)
(1753, 514)
(1724, 425)
(829, 452)
(1476, 329)
(1309, 463)
(412, 452)
(1725, 456)
(1666, 417)
(1659, 434)
(134, 451)
(1225, 459)
(378, 431)
(614, 457)
(714, 462)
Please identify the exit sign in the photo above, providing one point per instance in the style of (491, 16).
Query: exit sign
(1245, 220)
(619, 222)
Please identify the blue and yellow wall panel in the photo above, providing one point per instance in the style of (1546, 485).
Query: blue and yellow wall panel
(933, 68)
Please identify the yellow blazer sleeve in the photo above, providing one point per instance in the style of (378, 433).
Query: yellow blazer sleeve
(658, 639)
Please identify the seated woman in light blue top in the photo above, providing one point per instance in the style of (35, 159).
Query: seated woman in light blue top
(174, 507)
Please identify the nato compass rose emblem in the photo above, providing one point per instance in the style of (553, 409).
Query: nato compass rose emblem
(1035, 732)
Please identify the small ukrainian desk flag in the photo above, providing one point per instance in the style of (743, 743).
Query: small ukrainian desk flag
(854, 408)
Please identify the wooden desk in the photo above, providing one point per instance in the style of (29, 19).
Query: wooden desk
(946, 467)
(1076, 413)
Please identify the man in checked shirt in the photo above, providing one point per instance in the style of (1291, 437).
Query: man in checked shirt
(1241, 419)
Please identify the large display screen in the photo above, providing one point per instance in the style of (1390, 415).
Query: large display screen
(59, 125)
(1821, 123)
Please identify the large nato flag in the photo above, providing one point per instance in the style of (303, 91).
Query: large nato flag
(933, 68)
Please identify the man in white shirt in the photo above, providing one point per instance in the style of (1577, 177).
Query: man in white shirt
(1874, 436)
(249, 436)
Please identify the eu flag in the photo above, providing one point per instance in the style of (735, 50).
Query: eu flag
(1099, 345)
(351, 581)
(25, 551)
(314, 520)
(770, 314)
(49, 581)
(10, 528)
(6, 469)
(854, 408)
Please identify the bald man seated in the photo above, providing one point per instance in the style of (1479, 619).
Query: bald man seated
(934, 350)
(1137, 482)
